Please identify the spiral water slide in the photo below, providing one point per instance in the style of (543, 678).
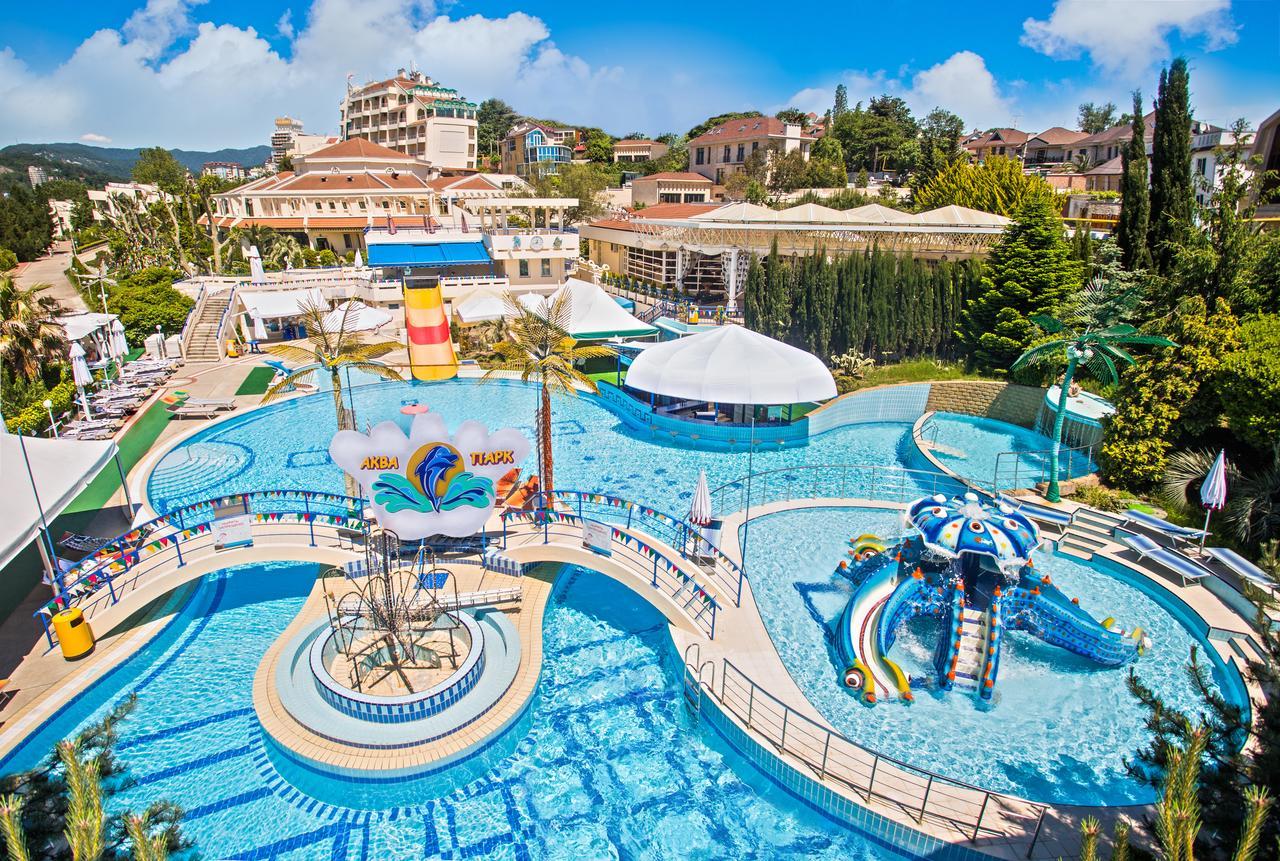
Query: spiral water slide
(430, 342)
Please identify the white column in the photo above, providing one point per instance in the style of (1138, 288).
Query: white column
(679, 267)
(731, 303)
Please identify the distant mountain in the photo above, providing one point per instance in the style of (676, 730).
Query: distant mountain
(96, 165)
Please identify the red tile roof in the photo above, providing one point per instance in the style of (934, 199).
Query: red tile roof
(357, 148)
(1121, 132)
(1057, 136)
(744, 129)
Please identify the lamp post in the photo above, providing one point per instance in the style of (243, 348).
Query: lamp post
(53, 426)
(160, 346)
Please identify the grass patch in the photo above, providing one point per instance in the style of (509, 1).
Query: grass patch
(134, 354)
(257, 381)
(915, 371)
(609, 377)
(135, 443)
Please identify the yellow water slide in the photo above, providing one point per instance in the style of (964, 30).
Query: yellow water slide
(430, 343)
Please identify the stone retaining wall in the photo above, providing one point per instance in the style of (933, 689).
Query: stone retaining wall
(1007, 402)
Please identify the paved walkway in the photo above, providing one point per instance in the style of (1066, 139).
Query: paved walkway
(49, 270)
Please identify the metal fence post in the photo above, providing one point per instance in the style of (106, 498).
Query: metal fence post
(655, 572)
(311, 526)
(1036, 836)
(986, 796)
(751, 701)
(177, 547)
(782, 743)
(924, 803)
(826, 748)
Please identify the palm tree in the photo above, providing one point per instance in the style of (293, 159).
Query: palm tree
(331, 349)
(1091, 338)
(29, 332)
(1253, 506)
(283, 250)
(540, 345)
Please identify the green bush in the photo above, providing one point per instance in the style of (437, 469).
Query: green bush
(34, 418)
(1100, 498)
(1249, 383)
(147, 299)
(8, 260)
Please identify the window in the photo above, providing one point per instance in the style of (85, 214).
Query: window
(726, 153)
(524, 268)
(319, 206)
(546, 267)
(668, 197)
(1202, 166)
(698, 156)
(755, 145)
(742, 151)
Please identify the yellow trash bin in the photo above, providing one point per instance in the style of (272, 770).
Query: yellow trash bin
(74, 634)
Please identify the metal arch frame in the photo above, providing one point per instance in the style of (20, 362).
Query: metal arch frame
(807, 239)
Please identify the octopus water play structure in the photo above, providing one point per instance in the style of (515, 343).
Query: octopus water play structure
(969, 564)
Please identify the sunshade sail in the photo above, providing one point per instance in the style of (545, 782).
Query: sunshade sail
(61, 469)
(355, 316)
(480, 306)
(732, 365)
(275, 304)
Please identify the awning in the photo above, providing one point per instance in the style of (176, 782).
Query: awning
(355, 316)
(275, 304)
(732, 365)
(593, 315)
(422, 255)
(78, 326)
(481, 306)
(61, 469)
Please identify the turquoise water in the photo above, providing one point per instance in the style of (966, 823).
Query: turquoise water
(607, 764)
(287, 446)
(978, 449)
(1061, 726)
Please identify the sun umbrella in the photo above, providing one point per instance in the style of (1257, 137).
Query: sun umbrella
(257, 274)
(700, 507)
(1213, 491)
(957, 526)
(359, 261)
(80, 374)
(259, 330)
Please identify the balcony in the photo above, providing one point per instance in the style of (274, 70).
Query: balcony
(526, 243)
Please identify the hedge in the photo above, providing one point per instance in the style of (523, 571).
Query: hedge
(34, 418)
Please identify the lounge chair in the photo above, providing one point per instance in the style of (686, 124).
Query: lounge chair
(1059, 518)
(215, 403)
(1187, 569)
(190, 411)
(1160, 526)
(1241, 567)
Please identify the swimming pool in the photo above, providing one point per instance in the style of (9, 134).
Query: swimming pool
(287, 446)
(608, 763)
(1061, 726)
(984, 450)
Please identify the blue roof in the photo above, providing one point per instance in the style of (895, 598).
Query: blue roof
(437, 254)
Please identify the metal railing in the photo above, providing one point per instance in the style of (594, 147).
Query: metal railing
(678, 534)
(192, 317)
(1033, 466)
(835, 758)
(844, 481)
(664, 572)
(222, 322)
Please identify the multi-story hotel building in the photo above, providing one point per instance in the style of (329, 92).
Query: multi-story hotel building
(536, 149)
(631, 150)
(413, 114)
(724, 149)
(223, 169)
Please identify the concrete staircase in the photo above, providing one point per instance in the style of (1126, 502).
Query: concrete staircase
(202, 341)
(1090, 532)
(973, 638)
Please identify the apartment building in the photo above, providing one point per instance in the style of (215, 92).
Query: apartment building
(532, 149)
(223, 170)
(1051, 146)
(638, 150)
(282, 138)
(36, 175)
(415, 115)
(669, 187)
(723, 150)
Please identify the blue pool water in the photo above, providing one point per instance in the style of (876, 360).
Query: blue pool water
(608, 762)
(287, 446)
(1061, 726)
(984, 450)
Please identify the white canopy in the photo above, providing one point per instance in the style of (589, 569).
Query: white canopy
(742, 212)
(355, 316)
(274, 304)
(875, 213)
(811, 213)
(732, 365)
(61, 468)
(593, 315)
(960, 216)
(78, 326)
(482, 305)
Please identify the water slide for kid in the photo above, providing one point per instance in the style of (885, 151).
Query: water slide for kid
(430, 343)
(858, 637)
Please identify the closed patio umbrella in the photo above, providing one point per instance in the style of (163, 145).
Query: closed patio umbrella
(359, 261)
(257, 274)
(80, 375)
(259, 329)
(1213, 491)
(700, 506)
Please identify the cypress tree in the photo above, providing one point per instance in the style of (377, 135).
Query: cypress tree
(1172, 195)
(822, 303)
(753, 296)
(1135, 201)
(777, 296)
(1030, 271)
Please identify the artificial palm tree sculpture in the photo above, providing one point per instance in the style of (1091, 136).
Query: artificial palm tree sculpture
(1092, 338)
(29, 330)
(539, 345)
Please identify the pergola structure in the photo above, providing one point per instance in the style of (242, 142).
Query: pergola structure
(494, 213)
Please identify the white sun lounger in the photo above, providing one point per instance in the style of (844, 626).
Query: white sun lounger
(194, 412)
(1187, 569)
(1241, 567)
(1160, 526)
(215, 403)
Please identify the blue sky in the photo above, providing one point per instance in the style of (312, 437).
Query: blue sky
(210, 74)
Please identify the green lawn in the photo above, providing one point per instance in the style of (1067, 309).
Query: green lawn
(916, 371)
(610, 377)
(136, 442)
(257, 381)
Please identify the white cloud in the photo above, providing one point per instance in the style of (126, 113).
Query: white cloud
(94, 138)
(1127, 37)
(962, 83)
(165, 77)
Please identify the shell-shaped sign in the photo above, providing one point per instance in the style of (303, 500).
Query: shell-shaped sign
(430, 482)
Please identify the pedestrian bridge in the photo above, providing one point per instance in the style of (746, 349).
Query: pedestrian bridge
(185, 544)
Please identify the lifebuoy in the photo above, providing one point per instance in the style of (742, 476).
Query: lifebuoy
(853, 678)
